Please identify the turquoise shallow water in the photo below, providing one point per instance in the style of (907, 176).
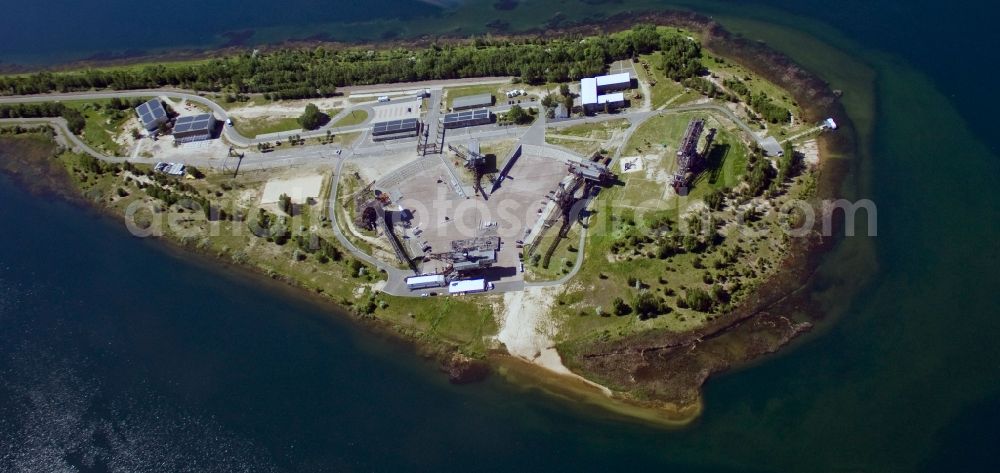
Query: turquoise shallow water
(107, 366)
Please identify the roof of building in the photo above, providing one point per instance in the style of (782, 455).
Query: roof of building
(611, 98)
(469, 101)
(430, 278)
(588, 90)
(467, 115)
(150, 112)
(395, 126)
(622, 78)
(772, 147)
(467, 285)
(194, 123)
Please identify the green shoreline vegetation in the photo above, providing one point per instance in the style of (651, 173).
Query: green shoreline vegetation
(671, 270)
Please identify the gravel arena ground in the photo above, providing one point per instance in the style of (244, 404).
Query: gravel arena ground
(514, 208)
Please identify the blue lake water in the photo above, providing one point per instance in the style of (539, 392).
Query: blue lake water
(109, 366)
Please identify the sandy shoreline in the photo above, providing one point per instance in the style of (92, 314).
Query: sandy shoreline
(528, 333)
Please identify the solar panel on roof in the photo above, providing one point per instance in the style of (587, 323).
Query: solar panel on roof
(150, 112)
(467, 118)
(395, 126)
(193, 123)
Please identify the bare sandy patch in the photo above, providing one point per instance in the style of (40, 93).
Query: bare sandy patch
(527, 330)
(630, 164)
(810, 152)
(284, 109)
(299, 189)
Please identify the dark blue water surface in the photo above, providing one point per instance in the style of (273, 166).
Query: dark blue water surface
(63, 30)
(117, 355)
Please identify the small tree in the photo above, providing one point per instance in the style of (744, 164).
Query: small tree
(568, 103)
(697, 299)
(75, 120)
(518, 115)
(285, 203)
(620, 307)
(311, 117)
(648, 306)
(714, 199)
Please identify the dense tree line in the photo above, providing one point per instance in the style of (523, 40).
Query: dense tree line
(325, 250)
(708, 88)
(760, 103)
(20, 130)
(787, 163)
(681, 58)
(758, 176)
(769, 110)
(74, 119)
(737, 86)
(302, 73)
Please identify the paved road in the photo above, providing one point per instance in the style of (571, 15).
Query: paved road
(220, 113)
(396, 277)
(534, 134)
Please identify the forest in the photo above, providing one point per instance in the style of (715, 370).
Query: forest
(304, 73)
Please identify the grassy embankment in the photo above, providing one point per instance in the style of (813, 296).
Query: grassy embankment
(102, 124)
(251, 127)
(618, 255)
(587, 138)
(356, 117)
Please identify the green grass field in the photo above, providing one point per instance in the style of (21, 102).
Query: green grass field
(102, 124)
(562, 260)
(663, 90)
(657, 140)
(356, 117)
(252, 127)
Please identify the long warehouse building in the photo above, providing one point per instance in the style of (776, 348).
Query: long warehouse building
(395, 129)
(468, 118)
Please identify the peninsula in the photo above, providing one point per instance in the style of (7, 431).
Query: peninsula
(613, 216)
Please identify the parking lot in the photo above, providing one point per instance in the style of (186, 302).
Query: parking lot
(396, 110)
